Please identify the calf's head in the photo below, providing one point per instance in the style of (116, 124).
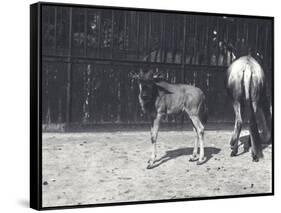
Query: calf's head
(146, 86)
(148, 89)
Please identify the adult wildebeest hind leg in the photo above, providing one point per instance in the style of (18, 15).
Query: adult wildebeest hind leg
(246, 85)
(158, 98)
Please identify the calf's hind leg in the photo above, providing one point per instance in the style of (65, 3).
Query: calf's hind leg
(200, 133)
(194, 156)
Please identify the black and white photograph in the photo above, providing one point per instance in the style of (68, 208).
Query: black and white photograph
(140, 105)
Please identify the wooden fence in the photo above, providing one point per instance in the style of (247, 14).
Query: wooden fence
(90, 54)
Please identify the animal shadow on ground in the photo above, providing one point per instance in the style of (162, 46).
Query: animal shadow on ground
(172, 154)
(245, 142)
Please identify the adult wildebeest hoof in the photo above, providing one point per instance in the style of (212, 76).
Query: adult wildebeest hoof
(233, 153)
(193, 158)
(255, 158)
(201, 161)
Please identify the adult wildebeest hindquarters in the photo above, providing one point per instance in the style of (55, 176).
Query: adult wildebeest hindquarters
(246, 85)
(158, 98)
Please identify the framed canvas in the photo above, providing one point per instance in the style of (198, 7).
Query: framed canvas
(133, 106)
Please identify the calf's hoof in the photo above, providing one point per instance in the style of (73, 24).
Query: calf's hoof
(193, 158)
(233, 153)
(232, 142)
(201, 161)
(150, 164)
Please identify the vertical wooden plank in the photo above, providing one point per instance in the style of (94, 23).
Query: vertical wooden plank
(183, 50)
(196, 39)
(125, 35)
(247, 36)
(69, 72)
(165, 39)
(237, 39)
(138, 34)
(266, 44)
(149, 37)
(257, 39)
(227, 56)
(172, 49)
(48, 47)
(190, 45)
(218, 33)
(270, 49)
(85, 30)
(55, 28)
(183, 59)
(206, 48)
(112, 34)
(99, 32)
(161, 36)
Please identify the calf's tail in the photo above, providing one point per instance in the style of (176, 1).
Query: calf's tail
(203, 112)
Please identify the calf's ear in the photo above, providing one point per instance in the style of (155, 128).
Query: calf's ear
(134, 76)
(141, 73)
(158, 76)
(149, 75)
(162, 89)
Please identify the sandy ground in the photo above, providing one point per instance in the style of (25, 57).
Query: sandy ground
(91, 168)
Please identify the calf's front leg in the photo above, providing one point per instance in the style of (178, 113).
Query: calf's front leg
(154, 132)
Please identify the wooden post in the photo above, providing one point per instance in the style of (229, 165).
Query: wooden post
(69, 72)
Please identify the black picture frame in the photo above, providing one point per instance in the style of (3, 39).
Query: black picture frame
(36, 181)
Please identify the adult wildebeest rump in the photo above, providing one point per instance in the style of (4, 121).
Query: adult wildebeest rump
(158, 98)
(246, 85)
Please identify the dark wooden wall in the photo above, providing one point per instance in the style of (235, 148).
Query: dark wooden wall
(89, 56)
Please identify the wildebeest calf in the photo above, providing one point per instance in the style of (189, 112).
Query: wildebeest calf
(158, 98)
